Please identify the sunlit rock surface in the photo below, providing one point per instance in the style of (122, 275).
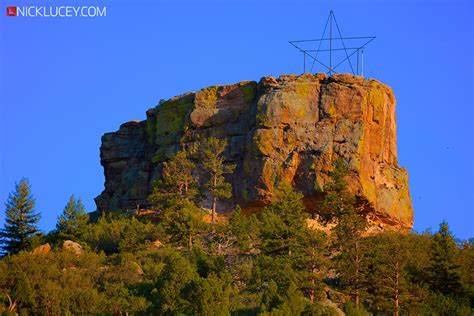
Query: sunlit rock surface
(287, 129)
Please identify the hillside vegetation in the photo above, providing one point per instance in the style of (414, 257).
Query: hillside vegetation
(269, 263)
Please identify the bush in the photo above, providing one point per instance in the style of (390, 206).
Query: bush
(121, 234)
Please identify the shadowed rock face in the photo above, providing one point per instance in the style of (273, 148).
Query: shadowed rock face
(287, 129)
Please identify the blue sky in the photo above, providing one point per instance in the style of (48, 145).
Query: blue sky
(65, 82)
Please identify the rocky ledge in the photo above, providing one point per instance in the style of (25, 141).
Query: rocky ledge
(289, 129)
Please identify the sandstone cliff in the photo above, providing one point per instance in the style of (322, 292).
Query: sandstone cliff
(281, 129)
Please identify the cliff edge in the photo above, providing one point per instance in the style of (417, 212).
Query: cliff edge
(287, 129)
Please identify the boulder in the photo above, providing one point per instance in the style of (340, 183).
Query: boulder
(46, 248)
(156, 244)
(70, 245)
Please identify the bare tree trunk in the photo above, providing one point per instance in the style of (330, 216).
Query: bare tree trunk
(214, 207)
(311, 292)
(397, 282)
(12, 305)
(214, 201)
(357, 299)
(313, 269)
(190, 241)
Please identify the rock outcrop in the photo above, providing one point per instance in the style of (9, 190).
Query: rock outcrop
(46, 248)
(72, 246)
(289, 129)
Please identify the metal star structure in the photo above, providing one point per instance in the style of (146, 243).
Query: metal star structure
(334, 47)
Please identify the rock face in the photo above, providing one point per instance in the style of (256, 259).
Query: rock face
(289, 129)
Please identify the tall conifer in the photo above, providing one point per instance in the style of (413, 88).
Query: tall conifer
(72, 222)
(20, 219)
(211, 152)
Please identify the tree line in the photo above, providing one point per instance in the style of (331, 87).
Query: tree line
(268, 263)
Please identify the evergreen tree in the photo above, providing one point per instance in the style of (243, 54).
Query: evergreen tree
(388, 283)
(209, 296)
(54, 283)
(182, 222)
(178, 182)
(283, 223)
(314, 263)
(286, 241)
(350, 259)
(244, 229)
(175, 195)
(22, 291)
(177, 275)
(72, 223)
(20, 219)
(113, 235)
(466, 269)
(443, 275)
(211, 152)
(277, 302)
(337, 200)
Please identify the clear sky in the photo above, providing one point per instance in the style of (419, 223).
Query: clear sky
(65, 82)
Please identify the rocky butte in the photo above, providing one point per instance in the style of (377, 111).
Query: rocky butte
(289, 129)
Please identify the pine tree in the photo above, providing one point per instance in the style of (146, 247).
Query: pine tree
(72, 222)
(277, 302)
(287, 241)
(178, 182)
(314, 262)
(20, 219)
(283, 223)
(182, 222)
(244, 229)
(178, 172)
(211, 152)
(176, 195)
(351, 261)
(388, 281)
(340, 204)
(443, 275)
(209, 296)
(167, 296)
(338, 199)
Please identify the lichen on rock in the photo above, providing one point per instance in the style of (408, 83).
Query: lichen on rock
(288, 129)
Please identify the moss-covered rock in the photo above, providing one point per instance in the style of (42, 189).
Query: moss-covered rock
(169, 117)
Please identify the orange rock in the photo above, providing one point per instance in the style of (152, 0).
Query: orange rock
(288, 129)
(46, 248)
(156, 244)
